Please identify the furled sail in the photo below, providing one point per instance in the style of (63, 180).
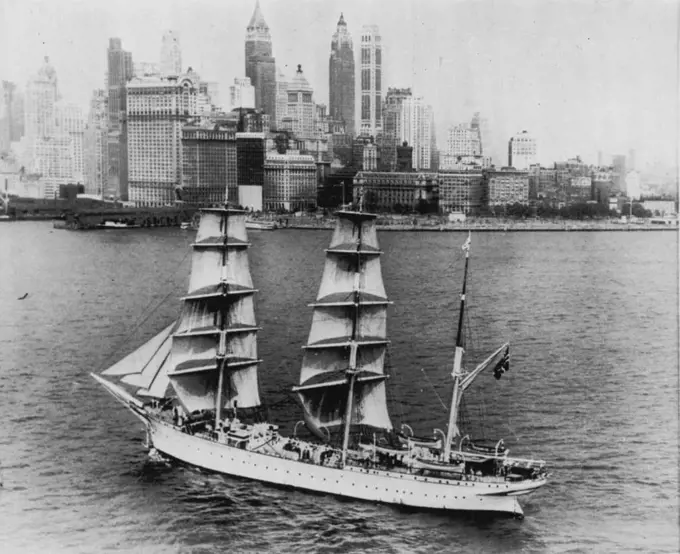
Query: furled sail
(348, 337)
(214, 348)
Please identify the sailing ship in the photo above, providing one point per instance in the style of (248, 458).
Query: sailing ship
(195, 387)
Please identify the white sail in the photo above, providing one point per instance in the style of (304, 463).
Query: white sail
(144, 357)
(159, 384)
(348, 335)
(217, 329)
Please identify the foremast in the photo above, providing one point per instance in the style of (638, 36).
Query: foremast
(342, 379)
(457, 374)
(214, 346)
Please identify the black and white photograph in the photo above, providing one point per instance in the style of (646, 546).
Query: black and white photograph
(339, 276)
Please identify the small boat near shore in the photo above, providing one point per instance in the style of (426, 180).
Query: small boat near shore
(261, 225)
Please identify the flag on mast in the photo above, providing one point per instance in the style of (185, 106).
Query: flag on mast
(466, 245)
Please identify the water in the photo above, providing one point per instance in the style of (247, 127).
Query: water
(593, 389)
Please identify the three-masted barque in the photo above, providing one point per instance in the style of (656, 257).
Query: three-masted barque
(195, 387)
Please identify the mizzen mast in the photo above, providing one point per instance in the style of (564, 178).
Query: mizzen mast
(452, 429)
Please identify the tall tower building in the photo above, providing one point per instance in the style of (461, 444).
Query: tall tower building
(416, 129)
(260, 64)
(371, 81)
(281, 101)
(341, 77)
(156, 111)
(95, 152)
(392, 135)
(120, 71)
(522, 151)
(171, 54)
(41, 99)
(301, 105)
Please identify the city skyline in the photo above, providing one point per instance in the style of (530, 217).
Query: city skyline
(582, 78)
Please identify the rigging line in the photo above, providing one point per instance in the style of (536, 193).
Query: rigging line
(434, 389)
(145, 318)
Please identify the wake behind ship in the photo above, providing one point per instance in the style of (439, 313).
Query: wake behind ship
(195, 387)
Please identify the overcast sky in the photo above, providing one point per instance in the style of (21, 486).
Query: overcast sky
(582, 76)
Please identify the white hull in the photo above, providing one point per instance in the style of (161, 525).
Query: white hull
(354, 482)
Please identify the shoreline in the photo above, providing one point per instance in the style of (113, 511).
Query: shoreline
(499, 228)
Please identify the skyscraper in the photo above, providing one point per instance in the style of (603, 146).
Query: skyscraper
(95, 152)
(416, 129)
(156, 111)
(522, 151)
(371, 81)
(301, 105)
(392, 136)
(260, 64)
(171, 54)
(120, 71)
(341, 77)
(11, 115)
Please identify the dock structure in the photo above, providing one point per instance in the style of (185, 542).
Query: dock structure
(81, 219)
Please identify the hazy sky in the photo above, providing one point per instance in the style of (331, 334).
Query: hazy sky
(582, 76)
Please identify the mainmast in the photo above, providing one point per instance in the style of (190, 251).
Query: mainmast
(342, 375)
(457, 360)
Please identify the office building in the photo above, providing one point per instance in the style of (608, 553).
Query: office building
(209, 169)
(250, 155)
(241, 94)
(171, 55)
(301, 109)
(341, 77)
(157, 109)
(396, 191)
(11, 116)
(290, 181)
(391, 137)
(95, 151)
(416, 129)
(461, 191)
(522, 151)
(371, 81)
(120, 71)
(507, 186)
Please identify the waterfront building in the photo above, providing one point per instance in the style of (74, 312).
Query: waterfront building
(341, 77)
(157, 108)
(260, 63)
(119, 71)
(242, 94)
(579, 190)
(396, 191)
(522, 151)
(301, 109)
(661, 207)
(633, 185)
(371, 81)
(171, 55)
(250, 156)
(506, 186)
(416, 129)
(209, 169)
(461, 191)
(602, 185)
(392, 131)
(95, 151)
(290, 181)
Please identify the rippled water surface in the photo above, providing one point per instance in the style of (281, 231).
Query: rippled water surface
(592, 318)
